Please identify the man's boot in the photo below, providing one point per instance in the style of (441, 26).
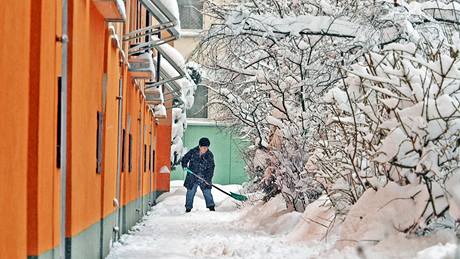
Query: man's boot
(212, 208)
(187, 210)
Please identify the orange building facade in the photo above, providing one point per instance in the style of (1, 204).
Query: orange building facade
(77, 108)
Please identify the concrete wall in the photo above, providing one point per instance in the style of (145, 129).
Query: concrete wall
(187, 43)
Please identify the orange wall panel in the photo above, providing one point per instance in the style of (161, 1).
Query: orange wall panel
(147, 141)
(29, 68)
(163, 151)
(124, 157)
(14, 93)
(87, 29)
(111, 131)
(42, 171)
(131, 188)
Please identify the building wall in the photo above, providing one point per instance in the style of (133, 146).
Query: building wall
(30, 175)
(14, 98)
(187, 43)
(86, 69)
(226, 148)
(112, 72)
(163, 151)
(147, 176)
(43, 174)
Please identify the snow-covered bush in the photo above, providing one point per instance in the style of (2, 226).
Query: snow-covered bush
(268, 76)
(179, 116)
(396, 116)
(340, 96)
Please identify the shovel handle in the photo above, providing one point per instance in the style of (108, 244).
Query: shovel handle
(202, 179)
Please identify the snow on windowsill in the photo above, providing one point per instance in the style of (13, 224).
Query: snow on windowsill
(190, 33)
(164, 170)
(204, 122)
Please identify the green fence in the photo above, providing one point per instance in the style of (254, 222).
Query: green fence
(225, 147)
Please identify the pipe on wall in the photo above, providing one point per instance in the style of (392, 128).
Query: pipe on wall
(63, 96)
(117, 228)
(152, 201)
(139, 167)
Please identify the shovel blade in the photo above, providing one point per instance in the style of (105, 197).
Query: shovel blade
(237, 196)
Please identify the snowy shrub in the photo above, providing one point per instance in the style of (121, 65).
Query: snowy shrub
(179, 116)
(267, 69)
(339, 96)
(397, 116)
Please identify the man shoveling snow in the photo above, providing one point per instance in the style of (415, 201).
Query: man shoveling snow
(200, 161)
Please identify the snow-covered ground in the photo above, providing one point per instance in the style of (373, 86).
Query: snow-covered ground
(256, 230)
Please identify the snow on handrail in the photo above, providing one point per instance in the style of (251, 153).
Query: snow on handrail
(162, 14)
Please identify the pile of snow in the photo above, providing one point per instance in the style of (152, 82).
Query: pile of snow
(313, 225)
(272, 216)
(267, 230)
(317, 224)
(376, 227)
(453, 195)
(373, 227)
(378, 214)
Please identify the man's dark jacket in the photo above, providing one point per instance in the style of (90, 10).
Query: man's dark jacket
(201, 165)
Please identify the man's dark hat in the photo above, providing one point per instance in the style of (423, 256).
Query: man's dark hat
(204, 142)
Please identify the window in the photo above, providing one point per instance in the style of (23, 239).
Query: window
(130, 153)
(99, 143)
(150, 158)
(123, 143)
(190, 12)
(153, 161)
(145, 158)
(58, 126)
(199, 108)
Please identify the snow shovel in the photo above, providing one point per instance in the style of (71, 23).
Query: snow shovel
(235, 196)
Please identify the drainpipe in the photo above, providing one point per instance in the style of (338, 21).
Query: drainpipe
(118, 228)
(151, 163)
(157, 74)
(63, 96)
(157, 79)
(140, 169)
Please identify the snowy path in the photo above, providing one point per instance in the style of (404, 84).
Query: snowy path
(170, 233)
